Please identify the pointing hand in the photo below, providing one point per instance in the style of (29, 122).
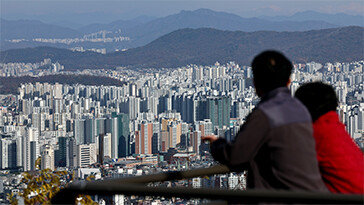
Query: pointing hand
(210, 138)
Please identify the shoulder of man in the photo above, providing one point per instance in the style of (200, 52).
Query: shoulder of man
(284, 109)
(257, 117)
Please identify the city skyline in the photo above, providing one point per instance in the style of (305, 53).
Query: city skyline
(152, 123)
(147, 115)
(92, 91)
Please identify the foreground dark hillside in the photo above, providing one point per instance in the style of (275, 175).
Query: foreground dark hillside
(206, 46)
(9, 85)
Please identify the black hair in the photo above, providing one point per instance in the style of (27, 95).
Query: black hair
(318, 97)
(271, 69)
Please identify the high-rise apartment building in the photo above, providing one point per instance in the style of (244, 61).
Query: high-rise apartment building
(143, 142)
(47, 157)
(90, 131)
(30, 151)
(196, 141)
(86, 154)
(4, 152)
(79, 131)
(107, 145)
(217, 109)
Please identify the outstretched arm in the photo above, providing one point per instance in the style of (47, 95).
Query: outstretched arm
(246, 144)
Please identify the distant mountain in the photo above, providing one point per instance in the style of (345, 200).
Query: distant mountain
(29, 29)
(5, 45)
(337, 19)
(206, 18)
(115, 25)
(142, 33)
(144, 29)
(205, 46)
(67, 24)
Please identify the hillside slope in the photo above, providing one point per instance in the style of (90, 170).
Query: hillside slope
(206, 46)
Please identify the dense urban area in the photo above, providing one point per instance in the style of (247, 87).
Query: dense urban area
(152, 123)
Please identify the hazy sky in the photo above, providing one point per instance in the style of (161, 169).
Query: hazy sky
(86, 11)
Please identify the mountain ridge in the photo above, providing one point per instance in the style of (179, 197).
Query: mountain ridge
(28, 29)
(144, 30)
(341, 19)
(202, 18)
(205, 46)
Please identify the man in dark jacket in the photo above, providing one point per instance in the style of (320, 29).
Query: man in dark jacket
(275, 144)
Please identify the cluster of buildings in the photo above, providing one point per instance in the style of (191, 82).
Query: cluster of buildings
(96, 50)
(156, 120)
(97, 37)
(46, 67)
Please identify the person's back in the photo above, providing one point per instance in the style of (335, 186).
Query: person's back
(341, 161)
(286, 159)
(275, 144)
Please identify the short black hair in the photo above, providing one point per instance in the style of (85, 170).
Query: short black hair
(318, 97)
(271, 69)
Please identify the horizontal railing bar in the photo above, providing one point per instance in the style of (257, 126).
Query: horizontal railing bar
(61, 198)
(161, 177)
(232, 196)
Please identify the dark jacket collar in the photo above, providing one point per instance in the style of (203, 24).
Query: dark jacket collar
(274, 92)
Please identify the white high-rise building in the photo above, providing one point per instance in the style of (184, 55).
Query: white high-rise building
(36, 121)
(30, 151)
(134, 107)
(47, 161)
(19, 153)
(86, 154)
(4, 153)
(114, 137)
(57, 91)
(107, 145)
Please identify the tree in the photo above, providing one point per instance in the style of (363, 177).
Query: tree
(12, 199)
(42, 185)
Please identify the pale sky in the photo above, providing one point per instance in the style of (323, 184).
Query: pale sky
(83, 11)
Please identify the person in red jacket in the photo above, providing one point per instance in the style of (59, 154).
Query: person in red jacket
(341, 161)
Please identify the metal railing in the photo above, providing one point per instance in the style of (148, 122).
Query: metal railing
(136, 186)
